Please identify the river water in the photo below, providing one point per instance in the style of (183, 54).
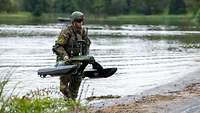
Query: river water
(146, 56)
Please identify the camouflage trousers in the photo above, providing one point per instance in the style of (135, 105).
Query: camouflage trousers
(69, 85)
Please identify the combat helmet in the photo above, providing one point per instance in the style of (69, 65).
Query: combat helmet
(77, 16)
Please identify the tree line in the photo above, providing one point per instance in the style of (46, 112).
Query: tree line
(101, 7)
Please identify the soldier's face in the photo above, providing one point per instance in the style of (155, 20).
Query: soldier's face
(78, 24)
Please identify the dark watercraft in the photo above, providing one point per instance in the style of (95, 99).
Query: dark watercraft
(67, 69)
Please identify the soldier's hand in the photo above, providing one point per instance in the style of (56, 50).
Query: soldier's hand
(66, 58)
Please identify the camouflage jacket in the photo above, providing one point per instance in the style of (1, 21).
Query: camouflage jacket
(68, 42)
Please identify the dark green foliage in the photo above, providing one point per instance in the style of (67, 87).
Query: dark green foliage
(118, 7)
(7, 6)
(37, 7)
(97, 8)
(177, 7)
(192, 5)
(149, 7)
(101, 7)
(63, 6)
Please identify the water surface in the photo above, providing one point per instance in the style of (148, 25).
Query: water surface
(146, 56)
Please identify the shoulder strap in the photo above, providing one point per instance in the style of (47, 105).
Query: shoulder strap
(76, 38)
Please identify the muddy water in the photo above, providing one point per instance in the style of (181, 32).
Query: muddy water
(146, 56)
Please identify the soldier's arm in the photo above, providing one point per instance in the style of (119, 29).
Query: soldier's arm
(62, 40)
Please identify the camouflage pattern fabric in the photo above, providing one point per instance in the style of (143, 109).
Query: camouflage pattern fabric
(66, 44)
(69, 85)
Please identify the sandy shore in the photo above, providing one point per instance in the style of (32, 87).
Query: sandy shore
(180, 96)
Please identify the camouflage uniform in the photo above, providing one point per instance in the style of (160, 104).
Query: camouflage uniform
(66, 44)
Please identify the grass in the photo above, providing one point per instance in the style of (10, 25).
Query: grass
(16, 15)
(21, 17)
(43, 105)
(36, 103)
(152, 19)
(26, 18)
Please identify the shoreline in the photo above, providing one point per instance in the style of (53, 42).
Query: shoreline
(165, 19)
(182, 95)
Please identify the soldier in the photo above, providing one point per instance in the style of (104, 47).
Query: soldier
(66, 46)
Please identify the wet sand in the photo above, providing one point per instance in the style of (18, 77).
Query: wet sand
(180, 96)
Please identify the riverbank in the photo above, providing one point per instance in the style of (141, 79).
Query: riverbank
(147, 19)
(181, 96)
(22, 18)
(27, 18)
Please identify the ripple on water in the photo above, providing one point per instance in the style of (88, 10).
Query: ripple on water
(142, 63)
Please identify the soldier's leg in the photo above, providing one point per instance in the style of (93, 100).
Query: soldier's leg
(64, 85)
(74, 85)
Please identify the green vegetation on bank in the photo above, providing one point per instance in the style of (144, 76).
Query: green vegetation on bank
(42, 105)
(36, 104)
(101, 7)
(153, 19)
(27, 18)
(49, 10)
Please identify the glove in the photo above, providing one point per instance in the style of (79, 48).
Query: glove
(66, 58)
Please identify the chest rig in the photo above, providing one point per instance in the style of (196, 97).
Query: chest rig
(76, 44)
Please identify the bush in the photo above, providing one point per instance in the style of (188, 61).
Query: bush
(37, 7)
(149, 7)
(177, 7)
